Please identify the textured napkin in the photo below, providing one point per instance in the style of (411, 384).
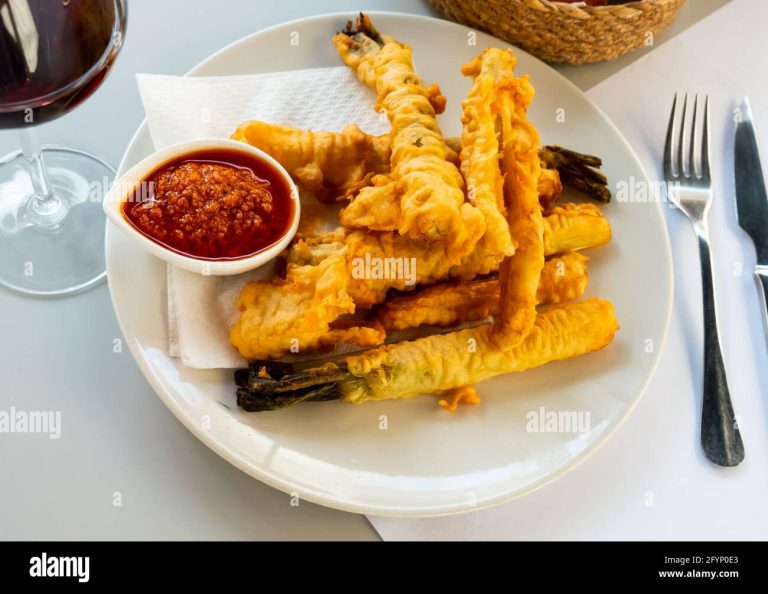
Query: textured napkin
(650, 481)
(201, 309)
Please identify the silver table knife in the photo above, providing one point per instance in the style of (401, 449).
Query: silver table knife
(751, 199)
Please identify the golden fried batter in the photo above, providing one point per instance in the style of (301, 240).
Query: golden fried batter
(404, 197)
(294, 315)
(443, 304)
(442, 362)
(336, 165)
(452, 398)
(429, 187)
(519, 274)
(331, 165)
(563, 278)
(375, 207)
(550, 186)
(480, 156)
(361, 334)
(569, 227)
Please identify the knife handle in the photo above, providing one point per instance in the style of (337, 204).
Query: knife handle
(720, 436)
(761, 275)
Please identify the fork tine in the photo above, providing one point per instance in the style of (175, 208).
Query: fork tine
(669, 172)
(705, 141)
(681, 143)
(692, 150)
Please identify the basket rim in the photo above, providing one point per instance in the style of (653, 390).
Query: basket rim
(568, 8)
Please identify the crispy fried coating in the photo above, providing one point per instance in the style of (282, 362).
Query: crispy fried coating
(410, 204)
(417, 183)
(375, 207)
(480, 156)
(563, 278)
(281, 316)
(329, 164)
(429, 187)
(443, 304)
(337, 165)
(442, 362)
(550, 186)
(320, 287)
(519, 273)
(431, 262)
(357, 333)
(572, 226)
(569, 227)
(452, 398)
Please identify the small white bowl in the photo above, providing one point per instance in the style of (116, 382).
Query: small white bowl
(120, 190)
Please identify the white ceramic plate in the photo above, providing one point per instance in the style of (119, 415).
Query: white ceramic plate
(426, 461)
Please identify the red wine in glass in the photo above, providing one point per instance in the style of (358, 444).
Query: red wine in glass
(47, 51)
(53, 55)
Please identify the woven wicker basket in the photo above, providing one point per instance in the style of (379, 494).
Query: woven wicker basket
(560, 32)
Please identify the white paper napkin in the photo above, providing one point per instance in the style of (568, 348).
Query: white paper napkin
(202, 309)
(651, 480)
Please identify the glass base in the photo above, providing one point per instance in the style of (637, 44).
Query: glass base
(65, 255)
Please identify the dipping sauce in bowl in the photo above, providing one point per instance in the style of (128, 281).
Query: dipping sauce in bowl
(213, 204)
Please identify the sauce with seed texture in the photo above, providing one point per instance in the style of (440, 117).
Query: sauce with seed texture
(212, 205)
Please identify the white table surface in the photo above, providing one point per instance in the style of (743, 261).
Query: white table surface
(117, 437)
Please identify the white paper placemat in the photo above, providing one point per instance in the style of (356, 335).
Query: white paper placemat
(651, 480)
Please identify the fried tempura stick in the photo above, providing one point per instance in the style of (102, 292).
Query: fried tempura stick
(519, 274)
(445, 361)
(329, 164)
(492, 71)
(429, 187)
(435, 364)
(563, 279)
(296, 314)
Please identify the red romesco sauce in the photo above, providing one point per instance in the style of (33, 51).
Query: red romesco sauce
(212, 205)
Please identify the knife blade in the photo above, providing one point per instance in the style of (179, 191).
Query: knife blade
(751, 198)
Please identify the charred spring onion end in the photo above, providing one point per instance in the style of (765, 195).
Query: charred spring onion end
(271, 385)
(363, 26)
(578, 171)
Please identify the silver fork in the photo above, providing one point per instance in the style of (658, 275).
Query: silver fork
(690, 188)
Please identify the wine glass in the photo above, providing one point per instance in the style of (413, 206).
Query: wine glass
(53, 55)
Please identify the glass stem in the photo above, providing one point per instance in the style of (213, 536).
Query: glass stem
(45, 208)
